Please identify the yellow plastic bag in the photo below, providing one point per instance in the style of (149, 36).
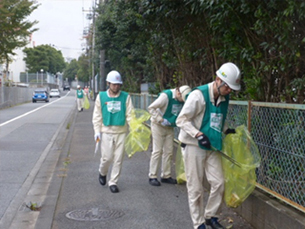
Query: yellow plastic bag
(138, 138)
(179, 166)
(86, 103)
(239, 180)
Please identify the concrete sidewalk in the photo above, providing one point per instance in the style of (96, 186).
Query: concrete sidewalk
(75, 199)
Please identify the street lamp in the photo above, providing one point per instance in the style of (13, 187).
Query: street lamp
(41, 70)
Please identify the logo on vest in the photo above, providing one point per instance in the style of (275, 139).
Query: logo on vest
(114, 106)
(216, 121)
(176, 108)
(79, 94)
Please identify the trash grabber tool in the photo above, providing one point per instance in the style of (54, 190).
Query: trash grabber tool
(96, 146)
(226, 157)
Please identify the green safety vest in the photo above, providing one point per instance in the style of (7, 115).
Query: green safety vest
(113, 109)
(173, 108)
(80, 94)
(213, 119)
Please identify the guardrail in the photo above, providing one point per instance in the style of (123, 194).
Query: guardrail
(279, 131)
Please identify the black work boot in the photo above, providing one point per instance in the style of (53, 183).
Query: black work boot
(202, 226)
(169, 180)
(213, 223)
(154, 182)
(102, 179)
(114, 188)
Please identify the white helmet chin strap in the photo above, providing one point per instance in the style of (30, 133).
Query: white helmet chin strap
(218, 87)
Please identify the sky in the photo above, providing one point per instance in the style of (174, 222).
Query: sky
(61, 24)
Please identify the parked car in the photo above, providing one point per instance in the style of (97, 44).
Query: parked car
(54, 93)
(40, 94)
(67, 87)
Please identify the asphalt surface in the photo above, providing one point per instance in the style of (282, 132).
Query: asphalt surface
(66, 193)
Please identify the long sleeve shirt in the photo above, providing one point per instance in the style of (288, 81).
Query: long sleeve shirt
(191, 116)
(159, 106)
(97, 118)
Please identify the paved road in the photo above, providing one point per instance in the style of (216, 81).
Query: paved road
(27, 133)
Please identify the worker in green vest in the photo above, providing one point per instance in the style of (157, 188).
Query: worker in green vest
(164, 111)
(80, 98)
(111, 114)
(202, 123)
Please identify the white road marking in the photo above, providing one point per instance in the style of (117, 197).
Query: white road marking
(25, 114)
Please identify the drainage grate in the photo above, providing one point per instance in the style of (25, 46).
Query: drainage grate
(94, 214)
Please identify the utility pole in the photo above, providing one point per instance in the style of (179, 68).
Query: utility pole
(93, 80)
(94, 75)
(94, 89)
(102, 70)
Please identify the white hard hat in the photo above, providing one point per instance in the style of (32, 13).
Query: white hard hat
(230, 74)
(114, 77)
(78, 86)
(184, 90)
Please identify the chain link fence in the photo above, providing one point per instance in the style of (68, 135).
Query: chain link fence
(41, 79)
(279, 132)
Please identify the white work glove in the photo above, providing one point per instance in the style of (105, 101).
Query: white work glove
(97, 136)
(165, 122)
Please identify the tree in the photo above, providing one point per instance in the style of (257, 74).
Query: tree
(71, 70)
(78, 68)
(14, 29)
(186, 41)
(179, 43)
(119, 32)
(44, 57)
(83, 67)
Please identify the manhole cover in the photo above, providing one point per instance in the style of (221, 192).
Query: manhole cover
(94, 214)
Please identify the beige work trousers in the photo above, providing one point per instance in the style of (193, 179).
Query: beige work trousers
(198, 164)
(163, 144)
(112, 151)
(80, 103)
